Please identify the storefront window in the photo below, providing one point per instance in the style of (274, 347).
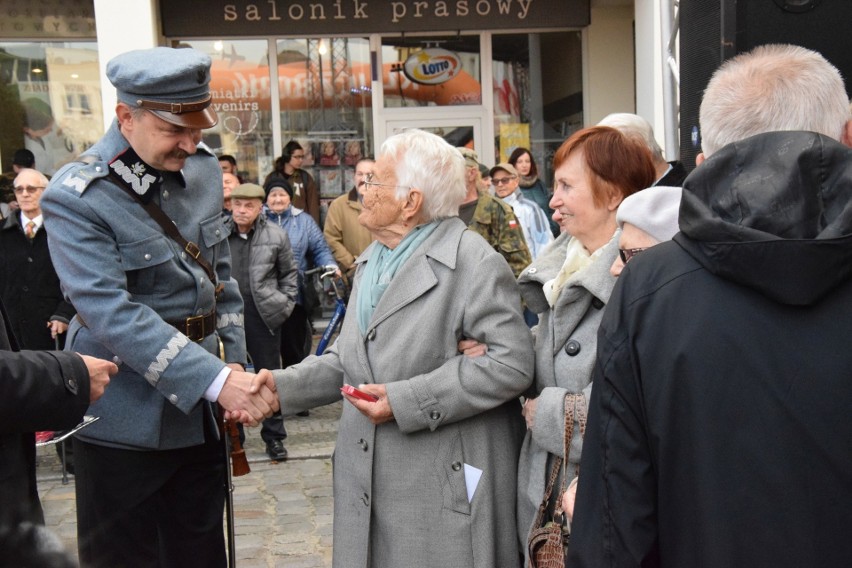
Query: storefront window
(431, 71)
(325, 98)
(240, 89)
(536, 107)
(50, 94)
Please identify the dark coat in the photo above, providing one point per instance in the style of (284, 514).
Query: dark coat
(719, 426)
(29, 285)
(38, 391)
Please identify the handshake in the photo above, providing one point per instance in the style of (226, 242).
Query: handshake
(248, 398)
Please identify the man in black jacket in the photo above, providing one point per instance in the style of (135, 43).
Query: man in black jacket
(719, 429)
(39, 390)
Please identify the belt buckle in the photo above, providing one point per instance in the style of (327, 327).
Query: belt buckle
(196, 322)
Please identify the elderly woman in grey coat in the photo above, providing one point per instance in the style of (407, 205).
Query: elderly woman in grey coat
(568, 286)
(426, 475)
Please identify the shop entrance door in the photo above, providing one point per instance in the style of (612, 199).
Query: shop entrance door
(458, 131)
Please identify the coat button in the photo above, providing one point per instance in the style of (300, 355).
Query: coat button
(165, 195)
(456, 466)
(597, 303)
(97, 168)
(147, 256)
(532, 270)
(173, 398)
(117, 361)
(434, 415)
(372, 335)
(363, 443)
(72, 383)
(29, 259)
(572, 347)
(25, 288)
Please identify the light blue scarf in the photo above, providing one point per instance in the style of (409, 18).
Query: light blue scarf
(381, 268)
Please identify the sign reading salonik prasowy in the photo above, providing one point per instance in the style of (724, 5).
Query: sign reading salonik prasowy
(312, 17)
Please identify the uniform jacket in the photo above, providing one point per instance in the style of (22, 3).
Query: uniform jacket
(306, 239)
(346, 237)
(127, 278)
(719, 429)
(39, 391)
(565, 344)
(495, 221)
(29, 285)
(399, 488)
(273, 273)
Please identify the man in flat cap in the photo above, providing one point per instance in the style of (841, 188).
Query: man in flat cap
(264, 267)
(140, 245)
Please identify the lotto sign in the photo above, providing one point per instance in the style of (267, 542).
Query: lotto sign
(432, 66)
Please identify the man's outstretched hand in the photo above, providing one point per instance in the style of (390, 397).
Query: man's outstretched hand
(249, 398)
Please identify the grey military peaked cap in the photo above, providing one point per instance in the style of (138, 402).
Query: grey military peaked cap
(172, 83)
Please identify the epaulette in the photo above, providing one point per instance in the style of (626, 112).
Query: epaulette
(78, 176)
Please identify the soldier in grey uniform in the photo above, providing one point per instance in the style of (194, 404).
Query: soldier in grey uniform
(150, 473)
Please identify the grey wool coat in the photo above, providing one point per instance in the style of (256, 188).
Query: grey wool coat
(565, 351)
(399, 487)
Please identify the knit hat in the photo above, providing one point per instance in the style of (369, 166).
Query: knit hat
(280, 182)
(653, 210)
(248, 191)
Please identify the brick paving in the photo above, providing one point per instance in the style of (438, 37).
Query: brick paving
(283, 510)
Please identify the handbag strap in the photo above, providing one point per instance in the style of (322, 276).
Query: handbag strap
(573, 402)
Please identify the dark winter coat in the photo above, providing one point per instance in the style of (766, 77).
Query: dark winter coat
(719, 426)
(29, 285)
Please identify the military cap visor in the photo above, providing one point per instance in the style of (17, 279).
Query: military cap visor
(183, 114)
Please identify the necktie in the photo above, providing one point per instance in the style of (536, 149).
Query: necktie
(30, 231)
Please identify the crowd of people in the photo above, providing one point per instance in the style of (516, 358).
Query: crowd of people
(503, 338)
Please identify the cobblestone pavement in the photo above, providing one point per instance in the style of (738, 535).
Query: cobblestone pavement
(283, 510)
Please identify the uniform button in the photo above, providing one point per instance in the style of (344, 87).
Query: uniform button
(456, 466)
(572, 347)
(173, 398)
(372, 335)
(97, 168)
(597, 303)
(434, 415)
(218, 232)
(201, 282)
(363, 443)
(165, 195)
(147, 256)
(183, 255)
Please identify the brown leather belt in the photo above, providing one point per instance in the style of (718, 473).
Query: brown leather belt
(195, 328)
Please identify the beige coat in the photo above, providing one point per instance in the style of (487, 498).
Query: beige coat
(399, 488)
(343, 233)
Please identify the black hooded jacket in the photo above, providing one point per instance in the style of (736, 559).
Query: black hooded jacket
(720, 424)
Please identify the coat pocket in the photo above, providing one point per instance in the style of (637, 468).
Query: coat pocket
(144, 263)
(450, 468)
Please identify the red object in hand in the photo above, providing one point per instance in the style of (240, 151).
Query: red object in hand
(45, 436)
(352, 391)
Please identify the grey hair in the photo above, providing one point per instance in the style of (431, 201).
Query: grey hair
(433, 166)
(772, 88)
(42, 179)
(637, 127)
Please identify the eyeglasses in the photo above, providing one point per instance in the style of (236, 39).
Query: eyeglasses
(627, 254)
(368, 182)
(501, 181)
(28, 188)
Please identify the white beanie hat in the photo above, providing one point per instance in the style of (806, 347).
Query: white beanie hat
(653, 210)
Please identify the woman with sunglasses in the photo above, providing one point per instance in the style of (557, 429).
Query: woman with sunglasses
(568, 287)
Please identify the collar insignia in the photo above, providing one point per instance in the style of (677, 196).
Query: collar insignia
(131, 171)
